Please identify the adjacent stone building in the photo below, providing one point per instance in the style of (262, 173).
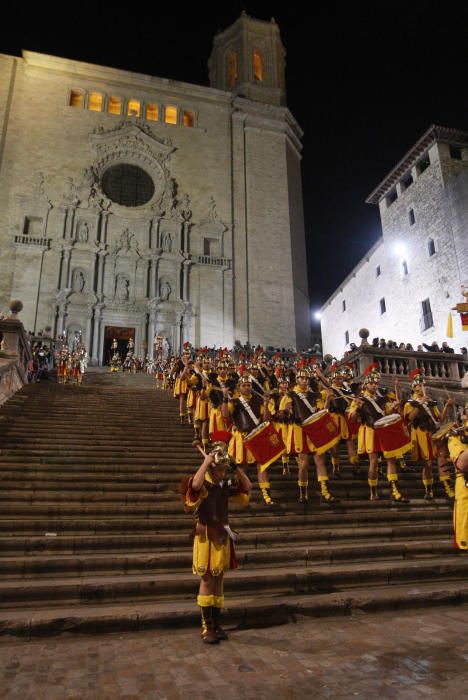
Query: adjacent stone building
(132, 205)
(405, 287)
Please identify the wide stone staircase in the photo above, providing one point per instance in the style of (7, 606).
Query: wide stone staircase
(93, 535)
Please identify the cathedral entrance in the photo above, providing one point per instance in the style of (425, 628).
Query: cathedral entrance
(122, 335)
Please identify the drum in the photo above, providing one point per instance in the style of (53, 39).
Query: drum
(443, 431)
(322, 429)
(265, 444)
(391, 434)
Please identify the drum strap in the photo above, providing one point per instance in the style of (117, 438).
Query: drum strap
(247, 409)
(306, 402)
(260, 386)
(428, 411)
(375, 405)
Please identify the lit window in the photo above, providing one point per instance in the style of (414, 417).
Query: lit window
(95, 102)
(152, 112)
(257, 66)
(377, 271)
(232, 68)
(134, 108)
(431, 247)
(383, 306)
(404, 266)
(76, 99)
(189, 119)
(170, 116)
(115, 105)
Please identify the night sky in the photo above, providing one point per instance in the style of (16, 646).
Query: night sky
(364, 80)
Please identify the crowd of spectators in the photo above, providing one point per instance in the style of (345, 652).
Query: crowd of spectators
(423, 347)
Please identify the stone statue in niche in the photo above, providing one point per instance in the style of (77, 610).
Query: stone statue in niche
(126, 238)
(88, 178)
(212, 213)
(83, 232)
(164, 290)
(122, 288)
(183, 208)
(166, 241)
(70, 195)
(79, 281)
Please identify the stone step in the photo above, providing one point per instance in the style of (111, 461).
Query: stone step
(41, 567)
(256, 610)
(256, 538)
(317, 578)
(257, 518)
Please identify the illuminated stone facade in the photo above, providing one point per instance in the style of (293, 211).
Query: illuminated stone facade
(135, 202)
(405, 287)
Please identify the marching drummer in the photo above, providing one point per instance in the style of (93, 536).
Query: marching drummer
(458, 448)
(207, 494)
(424, 417)
(369, 407)
(246, 413)
(281, 418)
(337, 400)
(301, 404)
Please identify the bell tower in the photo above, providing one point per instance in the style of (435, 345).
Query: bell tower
(248, 58)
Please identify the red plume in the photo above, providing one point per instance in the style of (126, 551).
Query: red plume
(242, 369)
(415, 373)
(302, 363)
(369, 369)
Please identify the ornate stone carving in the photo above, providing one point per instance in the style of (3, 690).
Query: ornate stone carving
(164, 290)
(70, 194)
(122, 287)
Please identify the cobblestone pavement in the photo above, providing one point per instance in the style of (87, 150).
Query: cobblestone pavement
(402, 655)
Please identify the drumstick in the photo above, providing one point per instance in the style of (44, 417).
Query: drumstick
(199, 447)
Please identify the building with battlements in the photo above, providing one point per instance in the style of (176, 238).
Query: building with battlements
(132, 205)
(404, 289)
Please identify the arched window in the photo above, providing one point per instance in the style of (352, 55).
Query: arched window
(257, 66)
(189, 119)
(170, 115)
(76, 99)
(152, 112)
(232, 68)
(115, 105)
(95, 101)
(134, 108)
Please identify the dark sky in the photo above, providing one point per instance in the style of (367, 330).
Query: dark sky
(364, 80)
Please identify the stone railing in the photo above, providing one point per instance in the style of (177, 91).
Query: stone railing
(15, 354)
(21, 239)
(213, 261)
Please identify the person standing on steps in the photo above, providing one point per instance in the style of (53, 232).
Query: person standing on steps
(207, 494)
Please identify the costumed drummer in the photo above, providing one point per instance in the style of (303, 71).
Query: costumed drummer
(246, 412)
(458, 448)
(369, 407)
(301, 404)
(338, 400)
(424, 417)
(207, 494)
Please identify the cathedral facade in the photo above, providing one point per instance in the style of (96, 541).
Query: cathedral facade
(136, 206)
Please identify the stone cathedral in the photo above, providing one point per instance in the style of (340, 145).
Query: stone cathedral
(132, 205)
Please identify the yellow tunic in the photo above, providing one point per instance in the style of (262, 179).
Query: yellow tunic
(422, 445)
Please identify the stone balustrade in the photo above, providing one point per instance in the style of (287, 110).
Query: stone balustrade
(15, 353)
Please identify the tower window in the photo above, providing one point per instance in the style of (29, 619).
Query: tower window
(404, 266)
(152, 112)
(378, 271)
(455, 153)
(170, 114)
(343, 305)
(406, 181)
(232, 68)
(115, 105)
(423, 164)
(426, 320)
(412, 218)
(76, 99)
(392, 197)
(257, 66)
(383, 307)
(95, 101)
(346, 337)
(188, 119)
(134, 108)
(431, 247)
